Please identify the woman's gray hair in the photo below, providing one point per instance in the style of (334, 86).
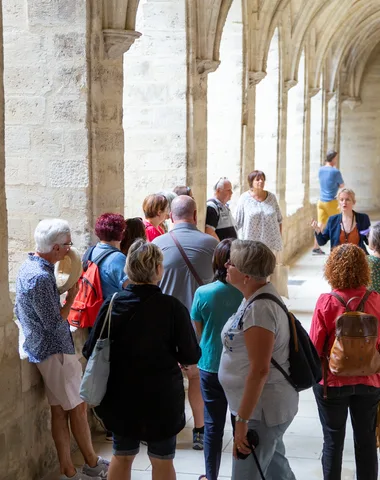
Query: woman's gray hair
(142, 261)
(50, 232)
(170, 196)
(253, 258)
(374, 237)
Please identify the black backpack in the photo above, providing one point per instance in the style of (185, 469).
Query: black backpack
(305, 364)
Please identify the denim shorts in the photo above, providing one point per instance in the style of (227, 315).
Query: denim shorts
(161, 449)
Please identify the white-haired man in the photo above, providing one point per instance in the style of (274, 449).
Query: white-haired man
(219, 220)
(48, 344)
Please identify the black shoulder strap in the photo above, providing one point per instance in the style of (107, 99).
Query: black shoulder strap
(98, 259)
(269, 296)
(86, 257)
(216, 205)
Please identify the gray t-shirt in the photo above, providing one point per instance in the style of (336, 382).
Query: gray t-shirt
(199, 247)
(278, 402)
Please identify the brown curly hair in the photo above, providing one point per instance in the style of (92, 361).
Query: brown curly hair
(347, 267)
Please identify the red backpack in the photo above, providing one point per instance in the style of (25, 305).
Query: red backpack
(89, 299)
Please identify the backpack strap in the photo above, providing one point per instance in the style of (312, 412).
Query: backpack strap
(217, 206)
(86, 257)
(98, 259)
(363, 301)
(360, 307)
(341, 300)
(269, 296)
(281, 304)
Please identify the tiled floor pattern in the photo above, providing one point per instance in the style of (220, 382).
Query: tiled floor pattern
(303, 439)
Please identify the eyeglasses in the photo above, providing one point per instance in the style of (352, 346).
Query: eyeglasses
(67, 244)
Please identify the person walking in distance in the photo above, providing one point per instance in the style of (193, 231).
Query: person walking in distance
(182, 276)
(219, 220)
(330, 180)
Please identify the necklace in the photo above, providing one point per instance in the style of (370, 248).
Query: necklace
(352, 224)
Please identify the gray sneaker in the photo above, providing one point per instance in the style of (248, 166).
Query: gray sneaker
(79, 476)
(101, 469)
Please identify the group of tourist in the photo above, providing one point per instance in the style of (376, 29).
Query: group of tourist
(185, 305)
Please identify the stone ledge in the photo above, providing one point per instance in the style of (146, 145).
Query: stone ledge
(117, 42)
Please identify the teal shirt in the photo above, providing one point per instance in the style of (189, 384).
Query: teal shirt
(213, 305)
(374, 265)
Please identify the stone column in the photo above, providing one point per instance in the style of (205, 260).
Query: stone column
(106, 131)
(197, 71)
(204, 21)
(249, 122)
(338, 120)
(197, 137)
(282, 136)
(326, 97)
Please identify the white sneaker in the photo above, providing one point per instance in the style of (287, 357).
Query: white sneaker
(100, 470)
(79, 476)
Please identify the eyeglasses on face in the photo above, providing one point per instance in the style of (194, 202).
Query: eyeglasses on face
(67, 244)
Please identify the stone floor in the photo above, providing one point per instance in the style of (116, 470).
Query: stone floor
(303, 439)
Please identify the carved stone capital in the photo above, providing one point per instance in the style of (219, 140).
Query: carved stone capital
(117, 42)
(288, 84)
(352, 102)
(313, 91)
(206, 66)
(255, 77)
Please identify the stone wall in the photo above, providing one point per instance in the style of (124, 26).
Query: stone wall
(155, 82)
(46, 90)
(360, 140)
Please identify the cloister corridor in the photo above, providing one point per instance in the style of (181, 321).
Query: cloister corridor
(303, 440)
(103, 102)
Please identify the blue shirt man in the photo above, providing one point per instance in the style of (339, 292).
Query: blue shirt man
(39, 311)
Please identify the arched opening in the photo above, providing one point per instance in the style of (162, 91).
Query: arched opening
(360, 141)
(224, 105)
(295, 188)
(266, 121)
(154, 103)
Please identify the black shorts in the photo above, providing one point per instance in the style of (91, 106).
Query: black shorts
(161, 449)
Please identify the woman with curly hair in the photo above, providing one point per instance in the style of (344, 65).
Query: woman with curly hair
(347, 272)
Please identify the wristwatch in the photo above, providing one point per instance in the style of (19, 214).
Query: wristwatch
(241, 420)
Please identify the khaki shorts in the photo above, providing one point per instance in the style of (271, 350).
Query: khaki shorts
(62, 375)
(326, 210)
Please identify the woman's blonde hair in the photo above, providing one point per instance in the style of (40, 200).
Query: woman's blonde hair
(349, 192)
(142, 261)
(253, 258)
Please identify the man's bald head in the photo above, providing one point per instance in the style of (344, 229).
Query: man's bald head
(184, 209)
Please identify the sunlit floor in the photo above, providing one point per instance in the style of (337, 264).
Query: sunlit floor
(303, 439)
